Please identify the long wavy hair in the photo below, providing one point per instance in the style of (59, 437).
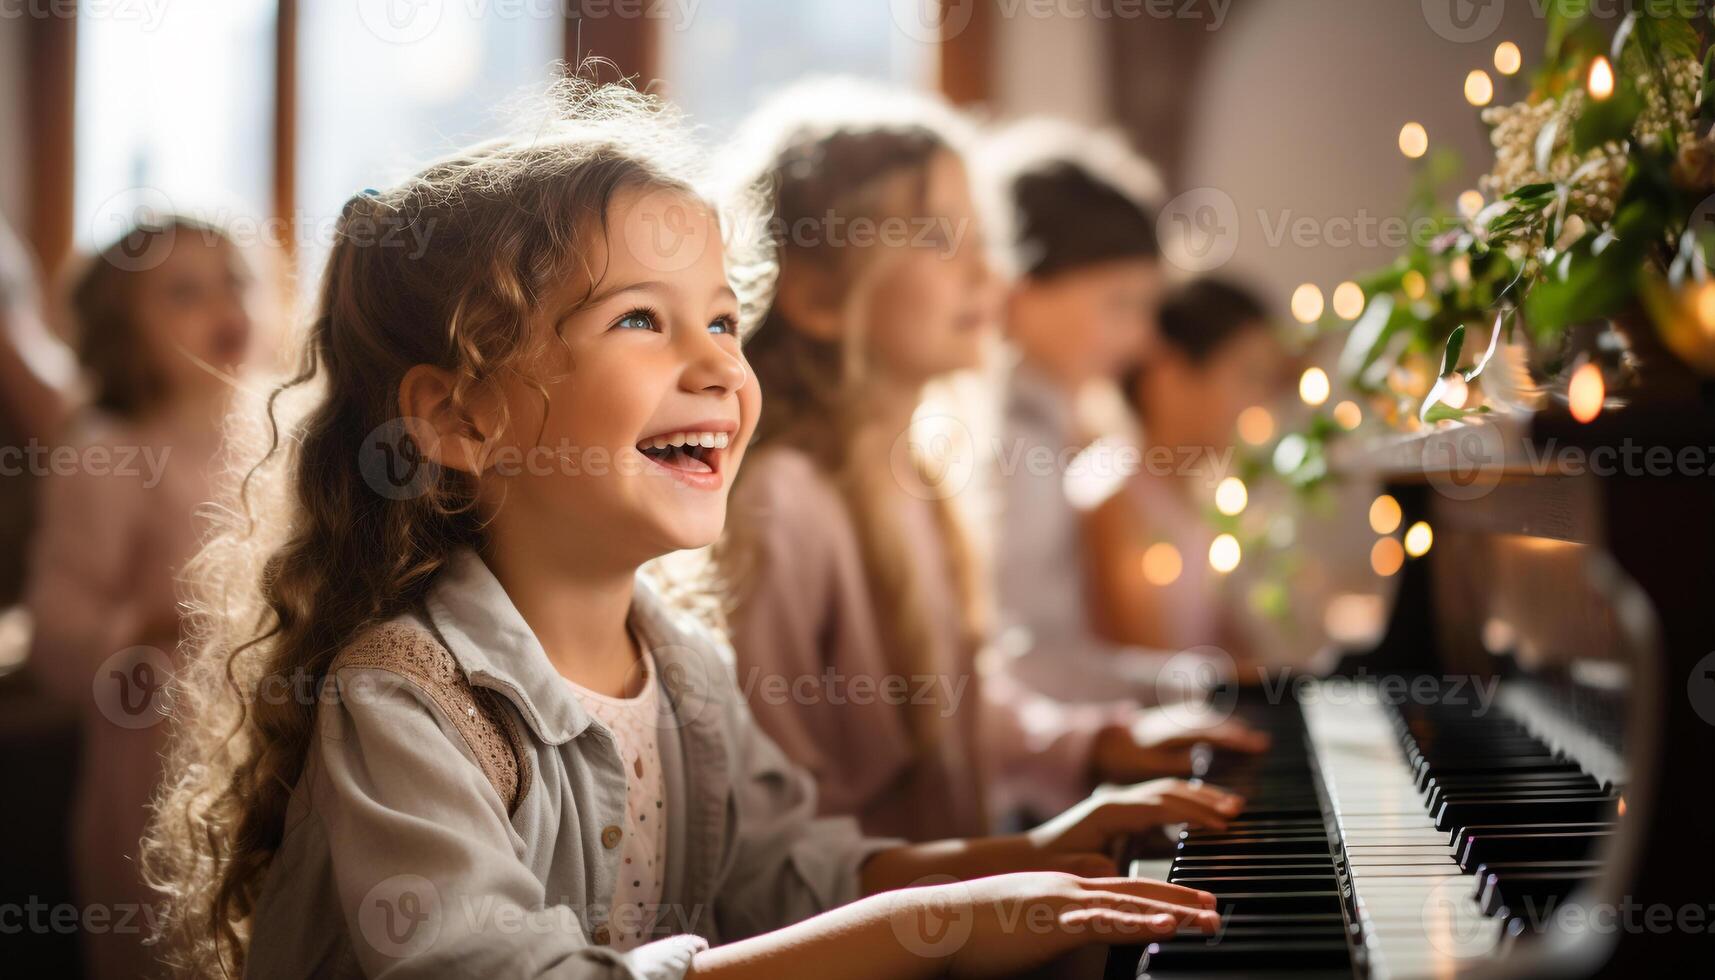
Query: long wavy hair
(823, 153)
(309, 553)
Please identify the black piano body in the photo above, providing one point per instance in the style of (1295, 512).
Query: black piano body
(1573, 572)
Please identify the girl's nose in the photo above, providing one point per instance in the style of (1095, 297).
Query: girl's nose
(714, 368)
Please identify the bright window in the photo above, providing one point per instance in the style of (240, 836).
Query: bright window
(388, 86)
(730, 54)
(175, 110)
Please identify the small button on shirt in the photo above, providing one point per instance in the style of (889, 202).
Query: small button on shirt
(636, 725)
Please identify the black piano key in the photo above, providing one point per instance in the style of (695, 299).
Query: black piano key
(1503, 810)
(1560, 827)
(1525, 847)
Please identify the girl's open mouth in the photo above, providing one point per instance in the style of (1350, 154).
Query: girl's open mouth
(687, 452)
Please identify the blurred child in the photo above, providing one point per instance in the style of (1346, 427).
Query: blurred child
(1217, 357)
(162, 324)
(515, 757)
(861, 607)
(1076, 221)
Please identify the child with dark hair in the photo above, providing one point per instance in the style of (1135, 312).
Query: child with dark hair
(1216, 357)
(1076, 212)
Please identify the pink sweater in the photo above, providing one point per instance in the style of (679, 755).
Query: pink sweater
(814, 667)
(117, 525)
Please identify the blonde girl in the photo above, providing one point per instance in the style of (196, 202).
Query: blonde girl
(850, 567)
(440, 726)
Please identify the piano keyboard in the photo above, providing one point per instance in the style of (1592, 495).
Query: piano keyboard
(1382, 841)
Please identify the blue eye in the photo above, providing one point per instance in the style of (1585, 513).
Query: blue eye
(723, 324)
(636, 320)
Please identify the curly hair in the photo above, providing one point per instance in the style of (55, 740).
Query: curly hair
(308, 552)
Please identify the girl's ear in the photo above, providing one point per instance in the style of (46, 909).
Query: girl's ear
(809, 301)
(456, 436)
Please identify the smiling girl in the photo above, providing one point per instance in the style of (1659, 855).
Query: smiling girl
(439, 725)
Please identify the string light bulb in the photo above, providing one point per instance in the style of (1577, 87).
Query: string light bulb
(1479, 88)
(1601, 83)
(1385, 515)
(1470, 203)
(1224, 553)
(1386, 557)
(1508, 58)
(1231, 496)
(1418, 539)
(1256, 425)
(1413, 140)
(1307, 303)
(1313, 386)
(1349, 415)
(1348, 301)
(1162, 564)
(1586, 392)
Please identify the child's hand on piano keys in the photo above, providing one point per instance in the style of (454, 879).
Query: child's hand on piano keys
(1090, 827)
(998, 926)
(1162, 743)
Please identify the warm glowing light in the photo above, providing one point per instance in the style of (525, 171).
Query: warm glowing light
(1460, 269)
(1418, 538)
(1231, 496)
(1385, 515)
(1470, 203)
(1348, 301)
(1224, 553)
(1508, 58)
(1601, 82)
(1162, 564)
(1585, 394)
(1256, 425)
(1706, 306)
(1313, 386)
(1479, 88)
(1621, 808)
(1348, 414)
(1386, 557)
(1414, 284)
(1413, 140)
(1307, 303)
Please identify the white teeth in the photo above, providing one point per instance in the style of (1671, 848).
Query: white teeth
(707, 440)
